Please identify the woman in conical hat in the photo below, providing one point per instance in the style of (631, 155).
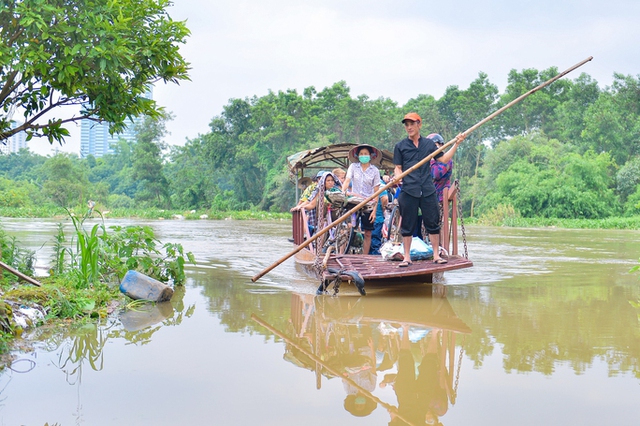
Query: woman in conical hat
(364, 179)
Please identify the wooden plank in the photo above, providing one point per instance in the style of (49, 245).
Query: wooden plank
(20, 275)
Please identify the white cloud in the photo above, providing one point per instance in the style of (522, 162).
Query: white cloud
(391, 49)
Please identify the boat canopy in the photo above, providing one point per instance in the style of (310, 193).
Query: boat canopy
(337, 155)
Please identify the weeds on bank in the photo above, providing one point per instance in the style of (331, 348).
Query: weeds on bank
(61, 298)
(14, 256)
(105, 255)
(146, 213)
(85, 271)
(508, 216)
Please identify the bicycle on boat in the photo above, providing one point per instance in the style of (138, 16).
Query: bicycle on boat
(347, 238)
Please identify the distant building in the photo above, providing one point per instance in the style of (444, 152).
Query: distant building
(14, 143)
(95, 138)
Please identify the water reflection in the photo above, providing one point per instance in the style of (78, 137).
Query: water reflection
(413, 346)
(84, 345)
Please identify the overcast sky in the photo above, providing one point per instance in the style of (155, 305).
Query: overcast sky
(393, 49)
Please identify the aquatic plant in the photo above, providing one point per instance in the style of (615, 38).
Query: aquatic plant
(101, 255)
(136, 248)
(11, 254)
(85, 261)
(59, 250)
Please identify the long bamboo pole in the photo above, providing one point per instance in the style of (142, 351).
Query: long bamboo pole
(20, 274)
(418, 165)
(330, 369)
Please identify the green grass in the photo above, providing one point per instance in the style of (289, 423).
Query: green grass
(146, 213)
(498, 218)
(632, 222)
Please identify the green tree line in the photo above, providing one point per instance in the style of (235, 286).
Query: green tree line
(570, 150)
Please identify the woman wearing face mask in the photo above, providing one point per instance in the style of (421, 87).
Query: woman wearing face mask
(364, 179)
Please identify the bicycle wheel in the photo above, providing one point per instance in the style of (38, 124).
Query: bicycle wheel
(343, 237)
(393, 226)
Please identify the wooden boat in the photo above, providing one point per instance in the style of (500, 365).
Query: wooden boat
(331, 267)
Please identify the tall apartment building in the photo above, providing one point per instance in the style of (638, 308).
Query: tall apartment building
(15, 143)
(95, 138)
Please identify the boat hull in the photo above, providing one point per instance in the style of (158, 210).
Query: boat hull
(372, 267)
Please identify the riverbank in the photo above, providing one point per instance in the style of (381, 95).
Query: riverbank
(632, 222)
(51, 212)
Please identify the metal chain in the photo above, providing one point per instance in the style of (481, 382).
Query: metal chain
(455, 385)
(464, 234)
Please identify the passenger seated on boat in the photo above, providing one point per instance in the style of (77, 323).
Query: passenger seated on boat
(376, 234)
(364, 178)
(326, 182)
(309, 188)
(339, 174)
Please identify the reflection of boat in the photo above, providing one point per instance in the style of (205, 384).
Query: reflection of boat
(407, 343)
(330, 266)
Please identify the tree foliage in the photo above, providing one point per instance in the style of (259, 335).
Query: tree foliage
(567, 151)
(147, 168)
(103, 55)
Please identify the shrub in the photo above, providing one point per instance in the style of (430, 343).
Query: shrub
(501, 215)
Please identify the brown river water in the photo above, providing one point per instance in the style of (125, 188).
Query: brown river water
(541, 331)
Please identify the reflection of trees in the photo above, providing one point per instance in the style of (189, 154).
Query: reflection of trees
(231, 301)
(539, 327)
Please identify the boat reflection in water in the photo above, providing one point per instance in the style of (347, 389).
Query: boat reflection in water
(374, 344)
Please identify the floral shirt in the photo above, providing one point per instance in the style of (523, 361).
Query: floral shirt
(306, 194)
(441, 174)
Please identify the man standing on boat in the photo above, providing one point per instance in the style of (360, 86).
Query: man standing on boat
(418, 190)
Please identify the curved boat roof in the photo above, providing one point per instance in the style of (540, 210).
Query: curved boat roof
(337, 154)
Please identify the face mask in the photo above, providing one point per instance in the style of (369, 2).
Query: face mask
(364, 159)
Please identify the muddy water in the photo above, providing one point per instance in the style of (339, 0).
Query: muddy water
(540, 331)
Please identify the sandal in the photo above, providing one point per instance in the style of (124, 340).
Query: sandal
(440, 261)
(404, 264)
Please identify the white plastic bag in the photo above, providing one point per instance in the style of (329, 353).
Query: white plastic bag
(390, 251)
(419, 250)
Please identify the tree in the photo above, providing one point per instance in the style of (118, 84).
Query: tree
(569, 120)
(628, 178)
(66, 180)
(462, 109)
(103, 55)
(21, 165)
(537, 177)
(153, 188)
(191, 177)
(536, 112)
(612, 123)
(116, 169)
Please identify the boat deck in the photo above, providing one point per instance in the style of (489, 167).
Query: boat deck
(375, 268)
